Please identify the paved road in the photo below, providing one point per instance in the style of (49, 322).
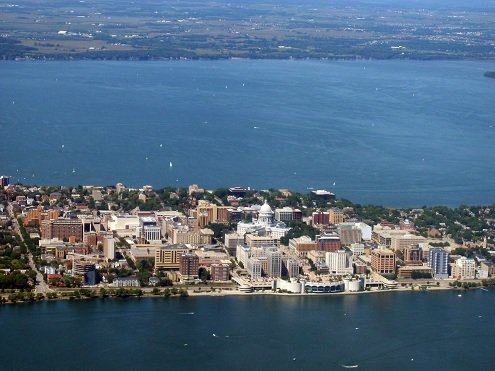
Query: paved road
(41, 286)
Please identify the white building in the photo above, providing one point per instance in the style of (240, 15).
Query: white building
(292, 267)
(464, 268)
(339, 262)
(264, 224)
(357, 249)
(243, 253)
(365, 231)
(254, 268)
(285, 214)
(152, 233)
(109, 248)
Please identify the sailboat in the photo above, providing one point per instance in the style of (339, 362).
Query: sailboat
(171, 164)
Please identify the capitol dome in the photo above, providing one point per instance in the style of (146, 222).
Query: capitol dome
(266, 209)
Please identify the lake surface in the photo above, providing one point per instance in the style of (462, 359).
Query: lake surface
(398, 133)
(388, 331)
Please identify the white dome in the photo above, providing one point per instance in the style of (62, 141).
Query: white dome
(266, 209)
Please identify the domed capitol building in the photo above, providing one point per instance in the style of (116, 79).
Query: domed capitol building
(264, 225)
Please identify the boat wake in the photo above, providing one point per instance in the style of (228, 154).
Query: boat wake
(350, 366)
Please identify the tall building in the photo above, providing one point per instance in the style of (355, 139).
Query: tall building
(321, 218)
(109, 248)
(339, 262)
(274, 259)
(287, 214)
(413, 255)
(189, 266)
(33, 215)
(254, 268)
(168, 257)
(220, 272)
(63, 229)
(328, 242)
(243, 253)
(336, 215)
(302, 245)
(464, 268)
(399, 242)
(292, 267)
(349, 233)
(152, 233)
(4, 181)
(260, 241)
(383, 261)
(438, 261)
(232, 240)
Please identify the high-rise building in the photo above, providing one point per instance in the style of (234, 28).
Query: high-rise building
(328, 242)
(383, 261)
(438, 261)
(152, 233)
(321, 218)
(339, 262)
(189, 266)
(62, 229)
(109, 248)
(243, 253)
(4, 181)
(336, 215)
(232, 240)
(260, 241)
(413, 255)
(302, 245)
(168, 257)
(349, 233)
(33, 215)
(464, 268)
(285, 214)
(274, 259)
(254, 268)
(292, 267)
(220, 272)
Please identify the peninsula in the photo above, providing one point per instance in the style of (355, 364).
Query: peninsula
(90, 241)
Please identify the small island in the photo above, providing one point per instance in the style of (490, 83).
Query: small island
(490, 74)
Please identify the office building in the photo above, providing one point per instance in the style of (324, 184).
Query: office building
(232, 240)
(339, 262)
(189, 266)
(292, 266)
(220, 272)
(321, 218)
(328, 242)
(438, 261)
(464, 269)
(109, 248)
(254, 268)
(383, 261)
(63, 229)
(274, 260)
(168, 257)
(413, 255)
(336, 215)
(302, 245)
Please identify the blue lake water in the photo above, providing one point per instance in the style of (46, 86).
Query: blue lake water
(398, 133)
(390, 331)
